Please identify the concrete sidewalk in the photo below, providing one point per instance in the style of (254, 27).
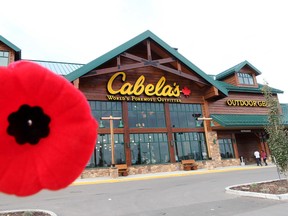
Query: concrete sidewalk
(101, 180)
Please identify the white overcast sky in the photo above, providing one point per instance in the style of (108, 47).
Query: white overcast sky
(213, 34)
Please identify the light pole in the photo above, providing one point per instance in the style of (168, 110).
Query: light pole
(111, 118)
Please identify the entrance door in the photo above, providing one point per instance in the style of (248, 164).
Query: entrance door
(247, 143)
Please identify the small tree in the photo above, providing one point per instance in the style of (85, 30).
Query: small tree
(278, 136)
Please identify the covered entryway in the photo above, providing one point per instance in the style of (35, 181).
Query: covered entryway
(247, 143)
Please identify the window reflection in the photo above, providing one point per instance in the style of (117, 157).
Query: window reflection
(106, 108)
(149, 148)
(4, 58)
(102, 153)
(190, 146)
(146, 115)
(245, 78)
(185, 115)
(226, 148)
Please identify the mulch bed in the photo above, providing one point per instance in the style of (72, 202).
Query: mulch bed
(273, 187)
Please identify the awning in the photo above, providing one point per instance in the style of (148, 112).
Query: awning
(240, 120)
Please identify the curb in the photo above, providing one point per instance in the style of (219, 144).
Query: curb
(29, 210)
(88, 181)
(254, 194)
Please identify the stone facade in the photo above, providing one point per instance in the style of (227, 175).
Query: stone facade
(95, 172)
(214, 161)
(145, 169)
(213, 144)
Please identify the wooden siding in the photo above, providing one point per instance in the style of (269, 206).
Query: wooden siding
(220, 106)
(95, 88)
(3, 47)
(231, 80)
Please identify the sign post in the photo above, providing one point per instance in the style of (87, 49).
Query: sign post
(204, 119)
(111, 118)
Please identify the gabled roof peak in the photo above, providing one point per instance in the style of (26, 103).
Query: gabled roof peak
(236, 69)
(12, 46)
(134, 41)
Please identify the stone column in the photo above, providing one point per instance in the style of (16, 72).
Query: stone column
(213, 145)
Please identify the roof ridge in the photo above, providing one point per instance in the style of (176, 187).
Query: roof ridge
(53, 61)
(8, 43)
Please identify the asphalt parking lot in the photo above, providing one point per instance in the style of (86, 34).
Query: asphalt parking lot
(200, 192)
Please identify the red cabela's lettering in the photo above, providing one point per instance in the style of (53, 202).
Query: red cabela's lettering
(139, 87)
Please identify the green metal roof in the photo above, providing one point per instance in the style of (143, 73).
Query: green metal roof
(236, 69)
(134, 41)
(247, 89)
(240, 120)
(12, 46)
(60, 68)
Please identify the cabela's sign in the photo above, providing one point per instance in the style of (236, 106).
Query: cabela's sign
(132, 91)
(250, 103)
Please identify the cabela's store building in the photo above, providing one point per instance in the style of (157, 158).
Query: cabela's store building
(166, 109)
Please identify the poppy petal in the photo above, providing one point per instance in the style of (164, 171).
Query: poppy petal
(57, 159)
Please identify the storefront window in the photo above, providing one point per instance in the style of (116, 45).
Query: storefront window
(102, 153)
(4, 58)
(149, 148)
(226, 148)
(185, 115)
(190, 146)
(104, 109)
(146, 115)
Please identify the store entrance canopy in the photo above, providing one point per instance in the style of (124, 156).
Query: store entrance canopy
(240, 120)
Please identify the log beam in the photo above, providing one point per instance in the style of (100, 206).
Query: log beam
(180, 73)
(211, 93)
(144, 63)
(149, 55)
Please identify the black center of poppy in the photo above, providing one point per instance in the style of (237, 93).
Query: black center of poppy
(28, 124)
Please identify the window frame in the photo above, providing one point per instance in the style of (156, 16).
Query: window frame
(190, 145)
(104, 142)
(245, 78)
(185, 115)
(146, 115)
(104, 109)
(226, 143)
(3, 57)
(149, 141)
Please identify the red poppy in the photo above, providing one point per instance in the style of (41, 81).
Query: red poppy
(47, 132)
